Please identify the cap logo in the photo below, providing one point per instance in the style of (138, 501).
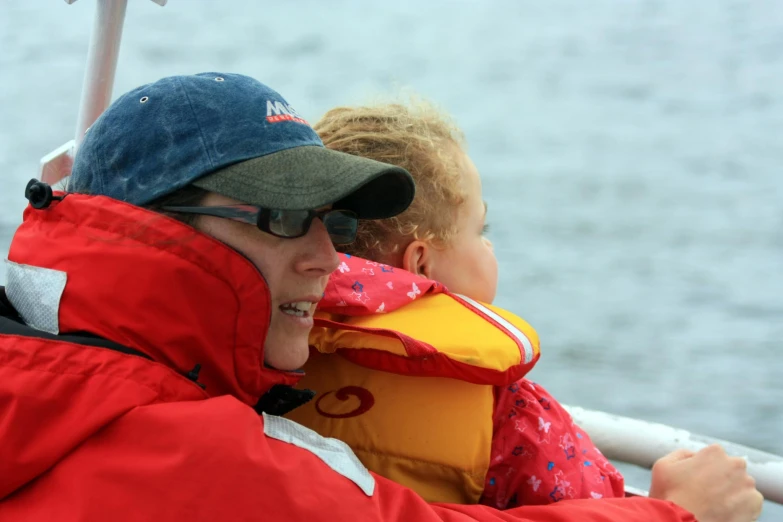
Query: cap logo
(277, 111)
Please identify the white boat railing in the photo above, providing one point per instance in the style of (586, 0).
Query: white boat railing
(102, 57)
(641, 443)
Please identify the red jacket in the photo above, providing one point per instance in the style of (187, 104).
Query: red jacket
(89, 432)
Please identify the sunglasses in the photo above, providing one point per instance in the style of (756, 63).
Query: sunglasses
(289, 224)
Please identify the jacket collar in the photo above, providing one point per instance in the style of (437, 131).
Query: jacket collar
(151, 283)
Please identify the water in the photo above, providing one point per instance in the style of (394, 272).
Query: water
(631, 155)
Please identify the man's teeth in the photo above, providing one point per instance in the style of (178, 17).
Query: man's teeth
(298, 309)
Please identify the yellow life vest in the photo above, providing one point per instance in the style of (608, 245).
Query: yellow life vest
(411, 391)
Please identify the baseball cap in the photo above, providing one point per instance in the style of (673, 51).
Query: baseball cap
(233, 135)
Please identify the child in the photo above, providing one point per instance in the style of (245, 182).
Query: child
(414, 369)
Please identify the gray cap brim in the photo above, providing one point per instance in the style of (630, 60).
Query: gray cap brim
(311, 177)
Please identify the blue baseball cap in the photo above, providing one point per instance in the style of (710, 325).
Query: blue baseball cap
(233, 135)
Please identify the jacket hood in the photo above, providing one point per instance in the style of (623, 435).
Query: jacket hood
(116, 306)
(156, 285)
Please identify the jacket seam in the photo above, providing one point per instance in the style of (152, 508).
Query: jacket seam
(83, 373)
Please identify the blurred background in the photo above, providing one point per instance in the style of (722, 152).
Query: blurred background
(631, 153)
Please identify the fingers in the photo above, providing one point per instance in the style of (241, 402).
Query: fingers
(713, 450)
(756, 504)
(735, 471)
(739, 463)
(677, 455)
(759, 504)
(715, 455)
(709, 483)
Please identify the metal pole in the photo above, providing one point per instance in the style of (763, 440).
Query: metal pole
(102, 58)
(101, 64)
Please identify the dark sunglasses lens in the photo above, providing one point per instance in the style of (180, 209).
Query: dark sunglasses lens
(288, 223)
(341, 226)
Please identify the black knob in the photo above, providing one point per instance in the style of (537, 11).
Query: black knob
(39, 194)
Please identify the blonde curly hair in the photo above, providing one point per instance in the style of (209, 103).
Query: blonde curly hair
(419, 138)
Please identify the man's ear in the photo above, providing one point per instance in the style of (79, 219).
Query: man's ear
(418, 258)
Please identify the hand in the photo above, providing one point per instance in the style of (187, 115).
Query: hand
(709, 484)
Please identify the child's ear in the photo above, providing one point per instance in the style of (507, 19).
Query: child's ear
(417, 258)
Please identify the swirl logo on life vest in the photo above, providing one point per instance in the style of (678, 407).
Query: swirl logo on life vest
(366, 401)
